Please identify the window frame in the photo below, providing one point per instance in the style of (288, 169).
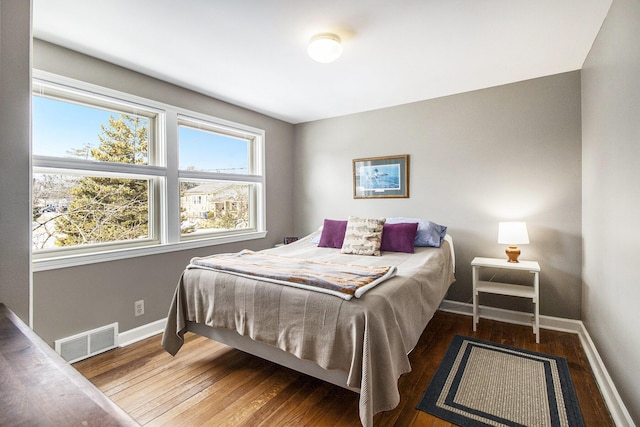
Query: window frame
(88, 249)
(253, 177)
(162, 170)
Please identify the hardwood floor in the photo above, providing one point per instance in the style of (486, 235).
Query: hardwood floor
(208, 383)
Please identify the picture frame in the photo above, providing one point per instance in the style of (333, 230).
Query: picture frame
(381, 177)
(290, 239)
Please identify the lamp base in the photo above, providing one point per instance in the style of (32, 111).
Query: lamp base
(513, 252)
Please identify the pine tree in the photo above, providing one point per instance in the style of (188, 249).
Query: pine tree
(105, 209)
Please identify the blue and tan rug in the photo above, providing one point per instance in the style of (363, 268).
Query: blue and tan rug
(480, 383)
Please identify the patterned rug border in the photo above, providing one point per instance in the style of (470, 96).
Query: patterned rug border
(441, 379)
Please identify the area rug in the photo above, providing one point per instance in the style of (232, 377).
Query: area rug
(480, 383)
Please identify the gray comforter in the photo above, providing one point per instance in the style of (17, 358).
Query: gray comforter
(367, 337)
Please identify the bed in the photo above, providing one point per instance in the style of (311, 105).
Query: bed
(361, 344)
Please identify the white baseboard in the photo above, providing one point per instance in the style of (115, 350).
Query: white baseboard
(619, 412)
(141, 332)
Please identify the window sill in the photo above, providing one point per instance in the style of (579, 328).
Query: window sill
(54, 263)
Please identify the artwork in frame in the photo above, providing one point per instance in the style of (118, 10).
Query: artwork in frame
(381, 177)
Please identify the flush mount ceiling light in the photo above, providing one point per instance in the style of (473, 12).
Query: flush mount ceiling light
(324, 47)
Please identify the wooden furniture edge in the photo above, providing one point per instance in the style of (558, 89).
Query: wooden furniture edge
(84, 385)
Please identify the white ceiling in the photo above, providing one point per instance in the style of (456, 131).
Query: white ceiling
(253, 52)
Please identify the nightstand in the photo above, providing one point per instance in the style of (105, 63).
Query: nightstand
(521, 291)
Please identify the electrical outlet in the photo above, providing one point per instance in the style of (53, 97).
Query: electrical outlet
(139, 307)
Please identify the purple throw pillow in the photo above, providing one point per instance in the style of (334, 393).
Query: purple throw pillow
(332, 234)
(399, 237)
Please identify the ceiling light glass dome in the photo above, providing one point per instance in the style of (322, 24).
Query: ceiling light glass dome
(325, 47)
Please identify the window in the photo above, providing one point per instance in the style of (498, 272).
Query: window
(219, 178)
(102, 187)
(91, 185)
(74, 211)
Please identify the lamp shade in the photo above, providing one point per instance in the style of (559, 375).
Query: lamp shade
(325, 47)
(513, 233)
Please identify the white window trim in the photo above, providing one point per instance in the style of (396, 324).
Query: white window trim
(169, 233)
(118, 254)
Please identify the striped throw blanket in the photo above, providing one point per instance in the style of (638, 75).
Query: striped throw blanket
(342, 280)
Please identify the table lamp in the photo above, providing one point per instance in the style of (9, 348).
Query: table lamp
(513, 233)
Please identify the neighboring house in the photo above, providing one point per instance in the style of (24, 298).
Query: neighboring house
(209, 201)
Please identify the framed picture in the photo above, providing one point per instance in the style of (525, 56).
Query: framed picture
(288, 240)
(381, 177)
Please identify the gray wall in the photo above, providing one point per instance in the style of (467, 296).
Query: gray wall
(611, 197)
(15, 161)
(509, 152)
(71, 300)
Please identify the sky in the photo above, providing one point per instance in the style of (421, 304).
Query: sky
(210, 151)
(62, 126)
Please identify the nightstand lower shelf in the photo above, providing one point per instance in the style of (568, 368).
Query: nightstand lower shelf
(506, 289)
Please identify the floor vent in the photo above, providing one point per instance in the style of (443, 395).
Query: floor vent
(87, 344)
